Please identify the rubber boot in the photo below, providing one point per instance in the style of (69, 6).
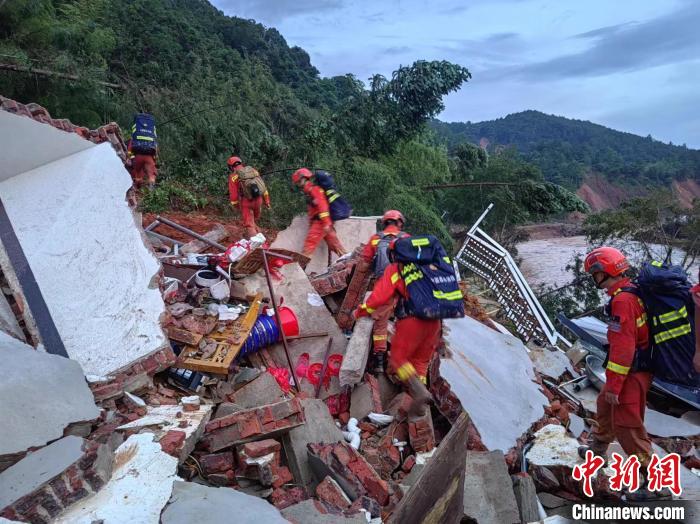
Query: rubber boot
(598, 448)
(420, 395)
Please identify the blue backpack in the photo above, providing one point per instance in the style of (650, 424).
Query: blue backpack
(665, 291)
(431, 283)
(144, 140)
(339, 207)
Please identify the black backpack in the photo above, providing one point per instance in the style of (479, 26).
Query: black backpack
(665, 291)
(431, 283)
(144, 140)
(339, 208)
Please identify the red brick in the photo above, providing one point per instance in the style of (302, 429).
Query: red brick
(408, 464)
(421, 433)
(172, 442)
(281, 477)
(283, 498)
(261, 448)
(330, 492)
(344, 417)
(217, 462)
(105, 391)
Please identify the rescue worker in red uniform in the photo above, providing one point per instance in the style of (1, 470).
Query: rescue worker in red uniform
(392, 227)
(414, 342)
(320, 223)
(143, 167)
(250, 207)
(622, 402)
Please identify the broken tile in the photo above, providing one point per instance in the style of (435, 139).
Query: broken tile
(661, 425)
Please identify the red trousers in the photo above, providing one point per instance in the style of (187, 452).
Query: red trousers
(318, 232)
(380, 328)
(413, 345)
(144, 167)
(625, 422)
(250, 212)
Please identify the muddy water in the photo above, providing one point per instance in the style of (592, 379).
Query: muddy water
(544, 261)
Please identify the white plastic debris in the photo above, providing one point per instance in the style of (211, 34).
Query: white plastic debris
(314, 299)
(380, 419)
(352, 435)
(422, 458)
(221, 290)
(260, 461)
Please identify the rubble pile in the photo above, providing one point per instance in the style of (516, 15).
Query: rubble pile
(243, 386)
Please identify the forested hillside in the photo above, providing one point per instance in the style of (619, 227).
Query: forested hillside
(566, 149)
(221, 85)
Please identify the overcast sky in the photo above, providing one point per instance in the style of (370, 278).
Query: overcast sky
(632, 65)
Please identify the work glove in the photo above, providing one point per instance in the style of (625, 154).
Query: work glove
(234, 205)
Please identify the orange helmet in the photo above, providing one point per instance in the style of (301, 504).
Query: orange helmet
(607, 260)
(234, 162)
(301, 173)
(393, 214)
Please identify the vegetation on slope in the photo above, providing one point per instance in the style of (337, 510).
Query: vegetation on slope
(221, 85)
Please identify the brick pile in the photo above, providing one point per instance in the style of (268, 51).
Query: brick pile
(337, 277)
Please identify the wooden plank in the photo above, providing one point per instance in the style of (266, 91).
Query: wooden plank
(437, 495)
(229, 344)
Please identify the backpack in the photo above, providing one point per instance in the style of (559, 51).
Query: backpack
(339, 208)
(665, 291)
(431, 283)
(144, 140)
(251, 182)
(381, 258)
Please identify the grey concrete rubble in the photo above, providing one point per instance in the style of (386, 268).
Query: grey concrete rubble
(312, 512)
(355, 361)
(323, 429)
(40, 395)
(190, 502)
(488, 490)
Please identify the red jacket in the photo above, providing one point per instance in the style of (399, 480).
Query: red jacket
(627, 332)
(385, 288)
(235, 191)
(317, 204)
(370, 249)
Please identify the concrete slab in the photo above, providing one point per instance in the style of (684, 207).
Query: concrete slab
(319, 428)
(353, 368)
(352, 232)
(73, 221)
(40, 394)
(551, 364)
(361, 402)
(192, 502)
(662, 425)
(295, 289)
(488, 490)
(260, 391)
(576, 425)
(308, 512)
(588, 397)
(492, 376)
(140, 486)
(552, 447)
(38, 468)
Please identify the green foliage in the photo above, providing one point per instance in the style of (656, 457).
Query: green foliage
(565, 150)
(580, 296)
(654, 228)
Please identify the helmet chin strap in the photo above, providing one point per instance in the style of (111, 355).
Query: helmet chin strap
(599, 284)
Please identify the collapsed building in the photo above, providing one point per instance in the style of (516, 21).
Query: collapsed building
(158, 373)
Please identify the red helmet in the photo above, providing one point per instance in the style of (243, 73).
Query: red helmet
(234, 162)
(301, 173)
(608, 260)
(393, 214)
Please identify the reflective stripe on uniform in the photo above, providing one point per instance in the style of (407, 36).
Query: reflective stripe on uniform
(145, 138)
(375, 242)
(405, 371)
(673, 315)
(447, 259)
(673, 333)
(234, 178)
(409, 279)
(452, 295)
(378, 338)
(367, 308)
(324, 214)
(617, 368)
(642, 320)
(656, 263)
(420, 242)
(395, 278)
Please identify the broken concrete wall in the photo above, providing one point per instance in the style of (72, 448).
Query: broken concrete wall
(352, 232)
(40, 395)
(492, 376)
(8, 321)
(80, 238)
